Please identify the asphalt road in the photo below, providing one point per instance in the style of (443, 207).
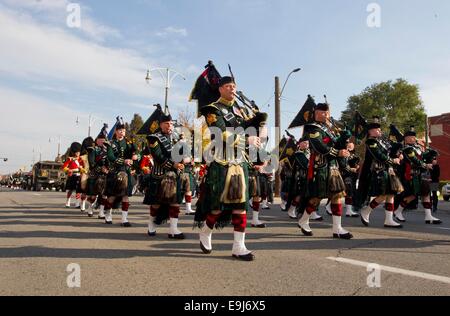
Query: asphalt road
(39, 239)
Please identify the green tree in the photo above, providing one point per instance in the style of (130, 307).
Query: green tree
(132, 129)
(397, 103)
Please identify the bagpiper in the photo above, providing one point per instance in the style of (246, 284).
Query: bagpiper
(226, 195)
(98, 171)
(121, 156)
(164, 193)
(323, 179)
(414, 177)
(188, 181)
(378, 178)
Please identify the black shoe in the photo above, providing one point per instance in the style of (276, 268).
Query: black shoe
(127, 224)
(343, 236)
(67, 206)
(399, 220)
(108, 223)
(101, 217)
(266, 208)
(391, 226)
(354, 215)
(151, 234)
(247, 257)
(305, 232)
(319, 219)
(259, 226)
(179, 236)
(91, 215)
(434, 222)
(205, 251)
(283, 209)
(364, 222)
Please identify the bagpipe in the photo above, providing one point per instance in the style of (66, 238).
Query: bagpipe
(206, 91)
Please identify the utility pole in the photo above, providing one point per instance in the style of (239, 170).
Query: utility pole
(277, 132)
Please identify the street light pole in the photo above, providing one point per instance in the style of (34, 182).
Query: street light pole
(277, 132)
(168, 79)
(278, 95)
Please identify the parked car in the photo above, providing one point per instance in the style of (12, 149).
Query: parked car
(446, 192)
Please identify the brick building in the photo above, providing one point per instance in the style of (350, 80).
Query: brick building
(440, 140)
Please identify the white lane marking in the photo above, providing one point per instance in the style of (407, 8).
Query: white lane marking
(416, 274)
(443, 228)
(37, 194)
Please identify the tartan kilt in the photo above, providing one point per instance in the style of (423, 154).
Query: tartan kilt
(111, 188)
(412, 187)
(379, 183)
(263, 185)
(211, 190)
(215, 185)
(318, 186)
(299, 186)
(94, 185)
(153, 191)
(287, 184)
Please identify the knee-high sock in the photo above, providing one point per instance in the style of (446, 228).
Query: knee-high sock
(239, 222)
(174, 211)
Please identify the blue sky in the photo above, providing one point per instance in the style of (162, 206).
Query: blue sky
(50, 74)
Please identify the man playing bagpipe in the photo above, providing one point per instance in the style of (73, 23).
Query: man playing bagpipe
(121, 155)
(378, 178)
(98, 171)
(188, 181)
(323, 178)
(415, 178)
(226, 195)
(164, 193)
(73, 167)
(298, 190)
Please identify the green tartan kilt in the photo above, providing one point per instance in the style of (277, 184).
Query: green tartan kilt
(299, 186)
(318, 186)
(215, 185)
(412, 187)
(379, 183)
(287, 184)
(153, 190)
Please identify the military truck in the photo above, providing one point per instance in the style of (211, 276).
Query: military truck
(47, 175)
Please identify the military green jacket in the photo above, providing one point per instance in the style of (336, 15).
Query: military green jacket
(225, 115)
(160, 146)
(118, 152)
